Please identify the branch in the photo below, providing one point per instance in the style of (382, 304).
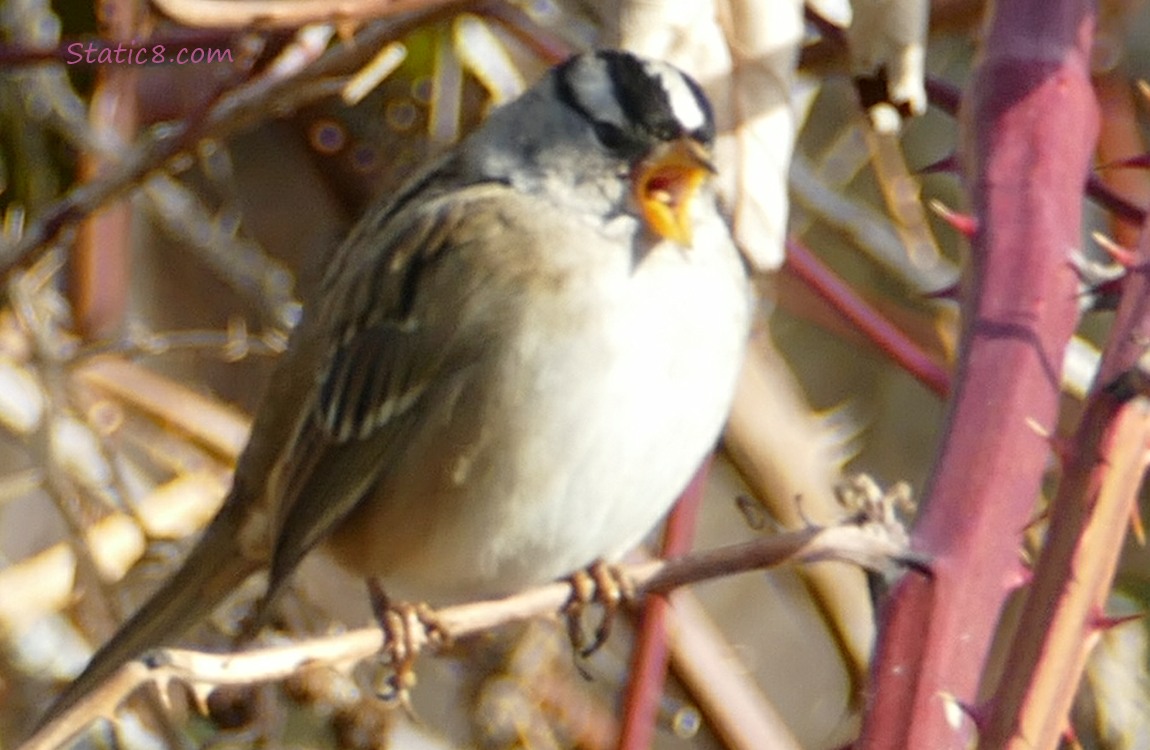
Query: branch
(889, 339)
(1064, 609)
(1030, 127)
(239, 109)
(240, 14)
(875, 544)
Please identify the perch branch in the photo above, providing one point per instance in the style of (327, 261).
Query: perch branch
(873, 544)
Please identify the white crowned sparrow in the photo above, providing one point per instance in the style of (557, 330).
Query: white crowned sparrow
(513, 367)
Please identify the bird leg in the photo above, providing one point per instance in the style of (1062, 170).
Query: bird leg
(600, 583)
(407, 629)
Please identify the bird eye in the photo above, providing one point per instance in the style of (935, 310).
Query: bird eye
(665, 132)
(611, 136)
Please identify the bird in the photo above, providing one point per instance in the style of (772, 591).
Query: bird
(512, 367)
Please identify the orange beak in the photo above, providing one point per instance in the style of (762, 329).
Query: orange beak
(666, 182)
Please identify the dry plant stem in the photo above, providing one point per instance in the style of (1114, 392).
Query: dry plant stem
(868, 545)
(239, 14)
(1088, 520)
(212, 424)
(1121, 136)
(241, 108)
(735, 707)
(98, 265)
(648, 669)
(768, 396)
(1029, 129)
(887, 337)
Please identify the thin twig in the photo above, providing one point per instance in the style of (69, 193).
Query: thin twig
(238, 14)
(239, 109)
(873, 545)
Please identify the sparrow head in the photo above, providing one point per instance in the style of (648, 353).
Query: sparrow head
(608, 127)
(655, 118)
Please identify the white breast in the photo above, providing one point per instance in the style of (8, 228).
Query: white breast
(599, 406)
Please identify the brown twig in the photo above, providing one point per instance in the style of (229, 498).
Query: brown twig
(238, 14)
(734, 705)
(873, 545)
(98, 266)
(234, 111)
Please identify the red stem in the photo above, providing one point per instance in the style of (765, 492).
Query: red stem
(948, 98)
(871, 323)
(1088, 521)
(1028, 137)
(649, 660)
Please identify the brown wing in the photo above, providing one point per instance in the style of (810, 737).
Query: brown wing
(373, 359)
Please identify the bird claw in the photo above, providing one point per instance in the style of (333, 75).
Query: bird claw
(605, 585)
(407, 630)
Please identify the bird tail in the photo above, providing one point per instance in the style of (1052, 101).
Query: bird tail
(212, 570)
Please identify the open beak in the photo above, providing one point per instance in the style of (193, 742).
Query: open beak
(666, 182)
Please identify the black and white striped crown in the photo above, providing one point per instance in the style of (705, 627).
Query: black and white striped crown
(634, 103)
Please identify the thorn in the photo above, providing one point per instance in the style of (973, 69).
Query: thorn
(1103, 296)
(1136, 526)
(1142, 161)
(1144, 89)
(945, 165)
(1062, 448)
(919, 562)
(1091, 271)
(1038, 429)
(1133, 382)
(1018, 576)
(755, 516)
(1103, 623)
(1102, 282)
(1039, 517)
(947, 292)
(200, 696)
(964, 224)
(1118, 253)
(158, 663)
(955, 711)
(346, 31)
(1071, 737)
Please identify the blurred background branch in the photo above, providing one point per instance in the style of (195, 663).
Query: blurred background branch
(160, 222)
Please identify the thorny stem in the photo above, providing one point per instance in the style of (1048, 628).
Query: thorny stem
(1029, 130)
(1088, 520)
(947, 97)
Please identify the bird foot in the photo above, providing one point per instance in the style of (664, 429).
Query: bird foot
(407, 630)
(606, 585)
